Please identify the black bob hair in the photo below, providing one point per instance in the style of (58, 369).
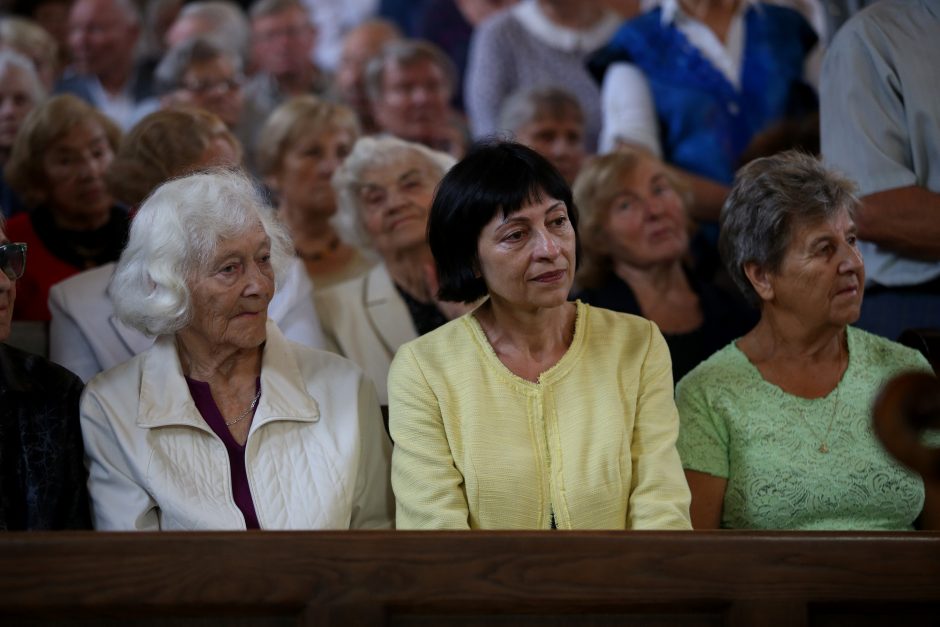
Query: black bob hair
(494, 176)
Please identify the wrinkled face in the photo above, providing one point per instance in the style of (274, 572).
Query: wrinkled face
(282, 41)
(558, 139)
(822, 278)
(16, 100)
(230, 297)
(646, 221)
(100, 34)
(7, 296)
(394, 201)
(527, 259)
(413, 104)
(75, 166)
(215, 86)
(307, 167)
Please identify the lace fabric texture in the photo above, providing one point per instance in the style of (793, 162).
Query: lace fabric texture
(766, 442)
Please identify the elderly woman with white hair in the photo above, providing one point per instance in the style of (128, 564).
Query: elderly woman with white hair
(384, 192)
(223, 423)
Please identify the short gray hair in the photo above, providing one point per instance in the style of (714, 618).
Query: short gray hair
(406, 52)
(231, 23)
(169, 73)
(13, 59)
(531, 103)
(175, 235)
(770, 199)
(368, 153)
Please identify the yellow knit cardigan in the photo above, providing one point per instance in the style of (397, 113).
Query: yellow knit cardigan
(592, 443)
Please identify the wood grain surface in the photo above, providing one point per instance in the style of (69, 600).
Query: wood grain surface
(483, 578)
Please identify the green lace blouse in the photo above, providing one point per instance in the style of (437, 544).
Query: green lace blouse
(769, 444)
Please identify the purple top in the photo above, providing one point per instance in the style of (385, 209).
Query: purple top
(202, 396)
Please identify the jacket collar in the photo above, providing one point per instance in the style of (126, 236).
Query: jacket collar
(165, 399)
(134, 341)
(387, 313)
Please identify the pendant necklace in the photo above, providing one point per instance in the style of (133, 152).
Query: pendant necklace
(824, 441)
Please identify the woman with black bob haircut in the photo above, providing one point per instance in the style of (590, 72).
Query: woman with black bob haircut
(529, 412)
(504, 177)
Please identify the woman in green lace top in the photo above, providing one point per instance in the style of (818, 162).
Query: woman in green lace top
(776, 427)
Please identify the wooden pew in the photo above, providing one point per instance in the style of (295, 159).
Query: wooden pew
(463, 579)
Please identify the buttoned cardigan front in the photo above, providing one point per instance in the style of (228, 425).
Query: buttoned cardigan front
(590, 445)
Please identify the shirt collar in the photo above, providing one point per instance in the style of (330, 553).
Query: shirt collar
(672, 11)
(532, 19)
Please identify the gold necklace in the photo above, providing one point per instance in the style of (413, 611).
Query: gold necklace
(824, 441)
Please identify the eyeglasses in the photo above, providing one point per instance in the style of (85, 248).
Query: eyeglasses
(13, 260)
(207, 86)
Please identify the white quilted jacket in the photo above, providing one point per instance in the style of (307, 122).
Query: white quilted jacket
(317, 454)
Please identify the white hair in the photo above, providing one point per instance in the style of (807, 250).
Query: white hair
(175, 235)
(13, 59)
(367, 153)
(231, 24)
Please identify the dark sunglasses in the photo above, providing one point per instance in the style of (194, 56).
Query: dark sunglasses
(13, 260)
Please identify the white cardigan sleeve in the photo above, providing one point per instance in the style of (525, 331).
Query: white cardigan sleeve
(629, 111)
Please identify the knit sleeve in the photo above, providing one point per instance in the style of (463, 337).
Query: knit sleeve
(659, 494)
(429, 492)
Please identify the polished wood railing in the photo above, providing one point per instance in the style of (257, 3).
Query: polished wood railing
(486, 578)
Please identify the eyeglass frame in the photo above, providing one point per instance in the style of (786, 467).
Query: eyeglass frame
(204, 88)
(5, 260)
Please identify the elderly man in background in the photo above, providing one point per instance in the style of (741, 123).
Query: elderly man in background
(360, 45)
(205, 73)
(106, 71)
(333, 19)
(410, 85)
(880, 124)
(282, 38)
